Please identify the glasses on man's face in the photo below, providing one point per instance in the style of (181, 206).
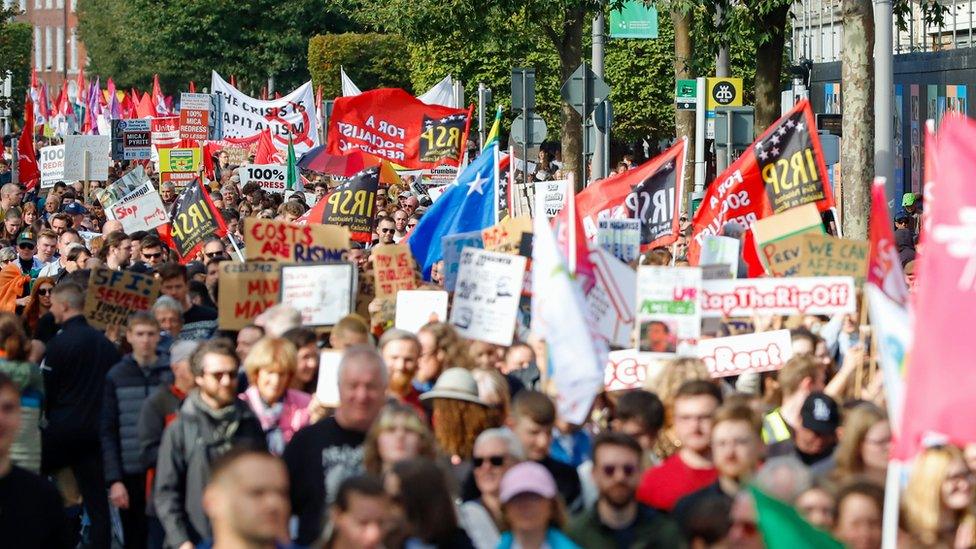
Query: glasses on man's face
(610, 470)
(156, 255)
(495, 461)
(387, 231)
(213, 255)
(220, 376)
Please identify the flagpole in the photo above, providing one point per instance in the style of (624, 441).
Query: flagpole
(496, 183)
(889, 521)
(571, 221)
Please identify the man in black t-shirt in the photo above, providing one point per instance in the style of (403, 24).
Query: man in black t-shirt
(198, 322)
(322, 455)
(31, 514)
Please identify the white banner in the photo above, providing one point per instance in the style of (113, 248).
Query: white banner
(293, 114)
(52, 165)
(99, 149)
(554, 193)
(271, 177)
(486, 297)
(143, 212)
(820, 295)
(415, 308)
(323, 293)
(759, 352)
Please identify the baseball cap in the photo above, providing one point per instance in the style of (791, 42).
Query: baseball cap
(527, 477)
(26, 236)
(819, 413)
(75, 208)
(908, 199)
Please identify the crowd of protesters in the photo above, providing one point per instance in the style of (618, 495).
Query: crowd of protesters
(168, 432)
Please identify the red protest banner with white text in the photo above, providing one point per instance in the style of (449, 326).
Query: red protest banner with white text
(745, 297)
(759, 352)
(395, 125)
(782, 169)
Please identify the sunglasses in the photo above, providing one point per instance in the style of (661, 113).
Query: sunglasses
(152, 256)
(212, 255)
(611, 470)
(220, 376)
(495, 461)
(46, 291)
(384, 231)
(25, 246)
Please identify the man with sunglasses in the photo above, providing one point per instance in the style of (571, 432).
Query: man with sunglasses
(152, 251)
(213, 248)
(386, 231)
(617, 519)
(26, 250)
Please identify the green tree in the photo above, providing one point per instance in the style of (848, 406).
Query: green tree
(15, 53)
(372, 61)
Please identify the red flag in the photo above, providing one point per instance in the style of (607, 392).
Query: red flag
(266, 152)
(193, 87)
(395, 125)
(651, 192)
(782, 169)
(571, 239)
(33, 84)
(233, 81)
(940, 383)
(158, 99)
(145, 107)
(27, 165)
(335, 209)
(43, 110)
(884, 267)
(82, 98)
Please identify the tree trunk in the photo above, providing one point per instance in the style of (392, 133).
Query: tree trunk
(769, 68)
(857, 122)
(684, 121)
(570, 56)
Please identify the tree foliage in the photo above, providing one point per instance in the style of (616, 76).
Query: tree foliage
(15, 53)
(372, 60)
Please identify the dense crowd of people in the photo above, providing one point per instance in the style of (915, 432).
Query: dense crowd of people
(168, 432)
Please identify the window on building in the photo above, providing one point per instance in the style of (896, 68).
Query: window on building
(73, 50)
(38, 60)
(49, 4)
(59, 4)
(48, 48)
(37, 4)
(60, 49)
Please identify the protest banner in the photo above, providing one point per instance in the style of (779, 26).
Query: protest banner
(628, 369)
(52, 165)
(143, 210)
(193, 218)
(750, 353)
(246, 290)
(327, 387)
(165, 132)
(96, 148)
(620, 237)
(270, 177)
(114, 295)
(194, 116)
(554, 193)
(271, 240)
(613, 299)
(180, 160)
(668, 310)
(825, 295)
(393, 124)
(506, 236)
(290, 116)
(131, 139)
(415, 308)
(486, 299)
(721, 250)
(782, 169)
(651, 193)
(322, 292)
(121, 188)
(452, 245)
(822, 255)
(777, 242)
(393, 269)
(351, 205)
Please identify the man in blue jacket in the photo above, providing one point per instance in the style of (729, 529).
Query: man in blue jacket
(127, 386)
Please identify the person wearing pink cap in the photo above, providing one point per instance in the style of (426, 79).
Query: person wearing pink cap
(533, 510)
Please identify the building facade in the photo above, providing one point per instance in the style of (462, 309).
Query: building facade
(58, 53)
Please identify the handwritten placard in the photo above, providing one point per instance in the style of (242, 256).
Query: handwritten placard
(114, 295)
(246, 290)
(270, 240)
(487, 295)
(393, 269)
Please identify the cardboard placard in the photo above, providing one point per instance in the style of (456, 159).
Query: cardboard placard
(825, 295)
(668, 309)
(415, 308)
(620, 237)
(52, 165)
(327, 388)
(613, 299)
(323, 293)
(720, 250)
(393, 269)
(270, 177)
(487, 296)
(506, 236)
(451, 245)
(99, 149)
(822, 255)
(114, 295)
(735, 355)
(770, 232)
(270, 240)
(246, 290)
(141, 211)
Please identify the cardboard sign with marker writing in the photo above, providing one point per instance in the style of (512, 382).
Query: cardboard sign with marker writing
(270, 240)
(114, 295)
(772, 234)
(506, 236)
(393, 269)
(246, 290)
(822, 255)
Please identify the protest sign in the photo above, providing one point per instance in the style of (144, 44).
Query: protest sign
(194, 116)
(180, 160)
(825, 295)
(452, 245)
(668, 310)
(393, 124)
(165, 132)
(486, 299)
(290, 116)
(323, 293)
(750, 353)
(393, 269)
(270, 240)
(721, 250)
(620, 237)
(246, 290)
(351, 205)
(131, 139)
(822, 255)
(121, 188)
(98, 150)
(415, 308)
(613, 299)
(143, 210)
(193, 219)
(114, 295)
(327, 387)
(717, 271)
(628, 369)
(270, 177)
(506, 236)
(650, 193)
(779, 250)
(52, 165)
(554, 193)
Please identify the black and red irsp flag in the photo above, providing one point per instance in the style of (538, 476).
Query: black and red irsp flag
(352, 205)
(193, 219)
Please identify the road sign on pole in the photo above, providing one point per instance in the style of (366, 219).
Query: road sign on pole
(523, 101)
(537, 130)
(685, 95)
(584, 90)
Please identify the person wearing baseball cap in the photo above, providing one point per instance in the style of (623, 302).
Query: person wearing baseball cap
(815, 437)
(532, 508)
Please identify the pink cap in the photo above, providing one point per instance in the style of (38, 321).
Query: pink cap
(527, 477)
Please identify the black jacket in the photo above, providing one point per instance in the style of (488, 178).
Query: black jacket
(74, 368)
(127, 386)
(196, 437)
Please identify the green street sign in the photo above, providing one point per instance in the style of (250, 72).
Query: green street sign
(686, 95)
(633, 20)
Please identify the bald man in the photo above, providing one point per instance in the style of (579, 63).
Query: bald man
(111, 226)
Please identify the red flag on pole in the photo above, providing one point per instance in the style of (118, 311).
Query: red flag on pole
(193, 87)
(27, 165)
(159, 100)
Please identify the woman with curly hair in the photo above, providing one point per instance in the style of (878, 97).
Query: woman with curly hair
(38, 304)
(459, 416)
(396, 435)
(440, 348)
